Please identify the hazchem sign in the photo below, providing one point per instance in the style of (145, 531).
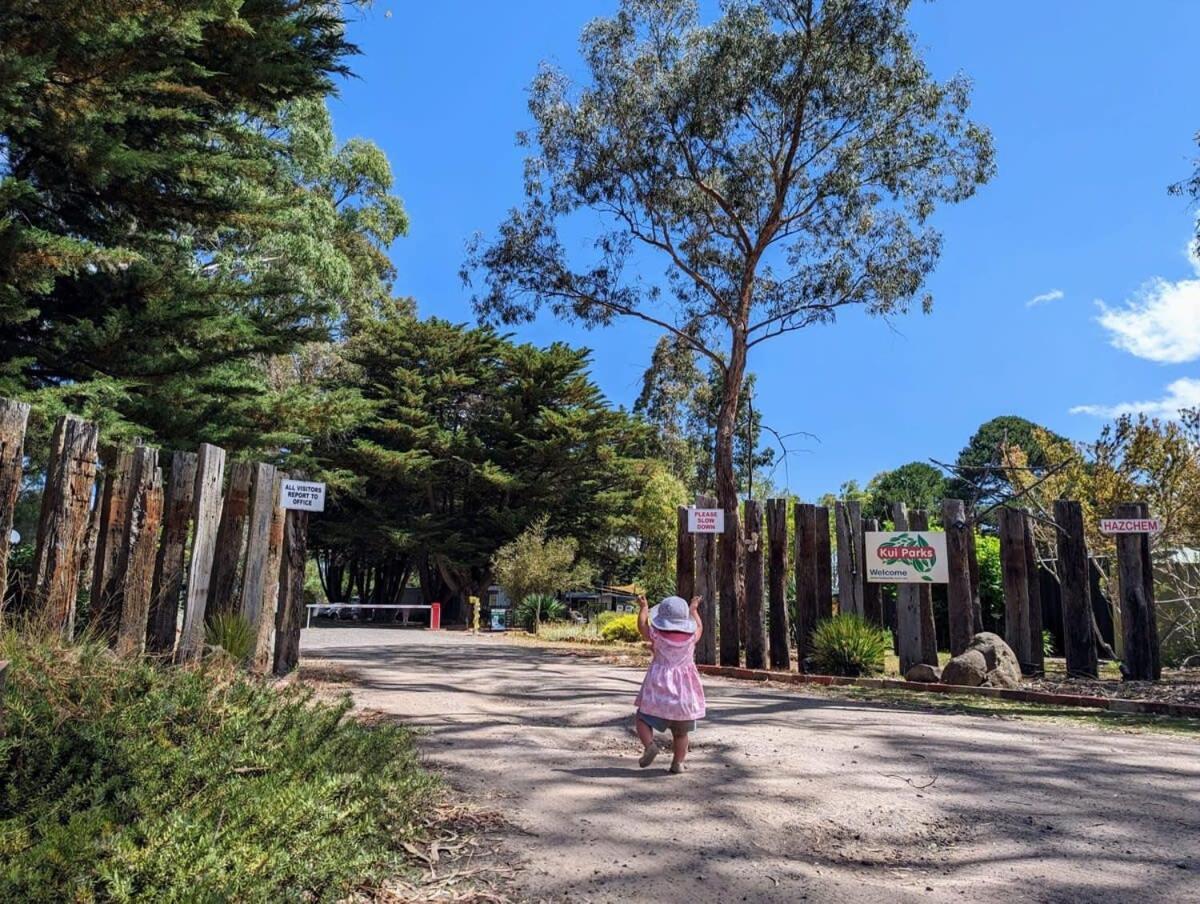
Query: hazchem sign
(706, 521)
(1130, 525)
(907, 557)
(302, 494)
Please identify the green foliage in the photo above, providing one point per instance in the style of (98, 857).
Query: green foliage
(122, 781)
(1047, 644)
(605, 617)
(917, 484)
(991, 581)
(534, 566)
(851, 646)
(540, 607)
(976, 482)
(622, 629)
(655, 521)
(232, 633)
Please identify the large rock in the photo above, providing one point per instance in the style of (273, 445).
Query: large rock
(923, 674)
(988, 662)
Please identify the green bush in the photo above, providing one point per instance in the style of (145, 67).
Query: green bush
(605, 617)
(232, 633)
(623, 628)
(552, 609)
(123, 781)
(851, 646)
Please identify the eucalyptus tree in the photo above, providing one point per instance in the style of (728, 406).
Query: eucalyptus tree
(781, 162)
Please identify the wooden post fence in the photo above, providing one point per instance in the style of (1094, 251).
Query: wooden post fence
(685, 557)
(777, 621)
(973, 562)
(168, 567)
(753, 528)
(823, 565)
(848, 517)
(264, 632)
(258, 540)
(1078, 638)
(14, 417)
(1037, 655)
(136, 563)
(804, 563)
(908, 607)
(104, 605)
(1016, 584)
(732, 597)
(919, 520)
(959, 601)
(231, 538)
(872, 593)
(66, 502)
(206, 508)
(289, 619)
(1135, 577)
(706, 589)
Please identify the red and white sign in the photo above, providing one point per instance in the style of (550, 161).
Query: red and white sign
(1130, 525)
(706, 521)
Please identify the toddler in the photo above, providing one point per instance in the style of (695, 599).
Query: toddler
(671, 697)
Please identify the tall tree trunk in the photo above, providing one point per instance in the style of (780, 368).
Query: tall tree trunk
(730, 554)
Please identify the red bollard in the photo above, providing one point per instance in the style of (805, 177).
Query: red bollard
(435, 617)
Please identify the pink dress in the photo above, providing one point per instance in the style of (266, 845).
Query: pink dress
(671, 688)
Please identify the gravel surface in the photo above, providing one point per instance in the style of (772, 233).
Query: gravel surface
(789, 797)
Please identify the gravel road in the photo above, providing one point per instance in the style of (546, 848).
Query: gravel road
(789, 797)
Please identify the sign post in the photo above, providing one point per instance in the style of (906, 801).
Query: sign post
(706, 520)
(907, 557)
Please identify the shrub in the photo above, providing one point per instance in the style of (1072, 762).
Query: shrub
(851, 646)
(123, 781)
(551, 609)
(623, 628)
(605, 617)
(232, 633)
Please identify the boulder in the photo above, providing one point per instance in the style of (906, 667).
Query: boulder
(923, 674)
(987, 662)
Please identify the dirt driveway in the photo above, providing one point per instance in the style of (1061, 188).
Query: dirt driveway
(788, 797)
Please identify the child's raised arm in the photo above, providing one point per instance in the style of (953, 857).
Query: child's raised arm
(694, 605)
(643, 616)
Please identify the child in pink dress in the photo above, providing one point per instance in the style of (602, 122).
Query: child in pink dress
(671, 697)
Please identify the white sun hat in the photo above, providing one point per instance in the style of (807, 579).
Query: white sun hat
(672, 614)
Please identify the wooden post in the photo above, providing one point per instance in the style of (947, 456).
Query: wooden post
(1037, 655)
(258, 539)
(848, 517)
(755, 658)
(14, 417)
(104, 606)
(919, 520)
(872, 593)
(1016, 585)
(973, 563)
(206, 516)
(908, 607)
(231, 537)
(732, 598)
(805, 565)
(777, 584)
(66, 501)
(168, 567)
(136, 565)
(289, 619)
(1139, 630)
(685, 556)
(706, 589)
(959, 607)
(1079, 642)
(824, 564)
(264, 631)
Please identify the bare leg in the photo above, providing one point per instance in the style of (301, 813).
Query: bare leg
(646, 736)
(680, 748)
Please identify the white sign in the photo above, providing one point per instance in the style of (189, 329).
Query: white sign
(706, 521)
(907, 557)
(303, 494)
(1130, 525)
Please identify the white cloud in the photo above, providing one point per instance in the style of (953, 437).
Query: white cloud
(1161, 322)
(1044, 298)
(1182, 393)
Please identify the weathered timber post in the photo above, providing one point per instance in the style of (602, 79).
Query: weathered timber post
(264, 633)
(848, 517)
(258, 539)
(685, 557)
(206, 515)
(973, 562)
(136, 565)
(1079, 641)
(231, 538)
(959, 604)
(289, 618)
(1016, 585)
(104, 606)
(872, 593)
(919, 520)
(823, 564)
(1138, 617)
(163, 621)
(804, 563)
(732, 598)
(777, 621)
(66, 501)
(1037, 654)
(908, 607)
(753, 527)
(706, 589)
(14, 417)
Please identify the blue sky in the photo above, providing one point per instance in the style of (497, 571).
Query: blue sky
(1091, 105)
